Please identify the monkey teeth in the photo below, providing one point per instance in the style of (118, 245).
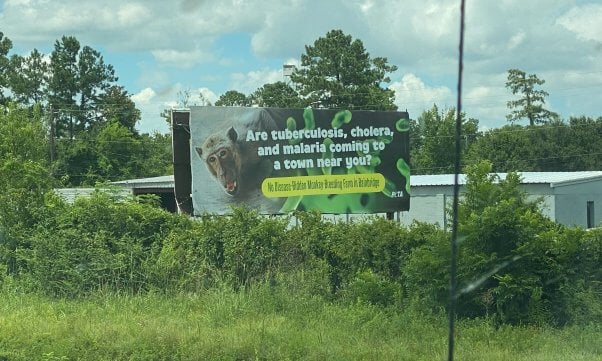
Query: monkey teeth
(231, 186)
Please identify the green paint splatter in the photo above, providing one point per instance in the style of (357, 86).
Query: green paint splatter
(308, 116)
(389, 188)
(403, 125)
(327, 155)
(291, 124)
(291, 204)
(340, 118)
(404, 170)
(375, 161)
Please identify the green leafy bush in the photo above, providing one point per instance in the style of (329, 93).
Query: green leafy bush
(370, 288)
(96, 243)
(515, 266)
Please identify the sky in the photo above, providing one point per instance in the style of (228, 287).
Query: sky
(162, 49)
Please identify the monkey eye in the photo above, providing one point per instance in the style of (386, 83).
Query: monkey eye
(212, 159)
(222, 153)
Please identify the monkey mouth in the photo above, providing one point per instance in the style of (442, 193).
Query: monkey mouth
(231, 187)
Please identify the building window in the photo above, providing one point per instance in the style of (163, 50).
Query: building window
(590, 214)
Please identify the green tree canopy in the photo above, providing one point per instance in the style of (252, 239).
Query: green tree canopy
(118, 151)
(24, 178)
(116, 105)
(28, 78)
(62, 84)
(552, 147)
(507, 148)
(94, 79)
(77, 78)
(5, 46)
(233, 98)
(22, 135)
(91, 120)
(278, 94)
(433, 140)
(531, 101)
(337, 72)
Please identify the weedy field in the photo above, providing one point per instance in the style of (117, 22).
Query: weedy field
(108, 279)
(263, 323)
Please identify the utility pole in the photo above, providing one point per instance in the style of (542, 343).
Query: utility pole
(51, 136)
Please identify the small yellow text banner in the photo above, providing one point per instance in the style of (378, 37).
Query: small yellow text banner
(323, 184)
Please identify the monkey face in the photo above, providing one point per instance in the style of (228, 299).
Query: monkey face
(223, 165)
(222, 155)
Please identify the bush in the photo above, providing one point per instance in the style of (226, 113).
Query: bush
(96, 243)
(515, 266)
(370, 288)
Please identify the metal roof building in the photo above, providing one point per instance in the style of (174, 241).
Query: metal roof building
(165, 182)
(569, 198)
(162, 186)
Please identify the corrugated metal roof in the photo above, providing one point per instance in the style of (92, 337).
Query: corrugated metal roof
(70, 194)
(416, 180)
(527, 178)
(166, 181)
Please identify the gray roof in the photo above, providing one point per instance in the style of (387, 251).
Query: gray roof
(552, 178)
(166, 181)
(71, 194)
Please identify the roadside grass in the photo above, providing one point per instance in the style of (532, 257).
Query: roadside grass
(263, 323)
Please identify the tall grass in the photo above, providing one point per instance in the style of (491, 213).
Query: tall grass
(261, 323)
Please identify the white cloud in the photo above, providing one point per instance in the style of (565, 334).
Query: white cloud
(487, 103)
(9, 3)
(152, 103)
(181, 59)
(251, 81)
(516, 40)
(435, 20)
(144, 96)
(413, 94)
(366, 6)
(182, 42)
(150, 108)
(207, 94)
(585, 21)
(133, 14)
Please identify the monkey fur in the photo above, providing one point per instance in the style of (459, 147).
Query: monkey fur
(233, 163)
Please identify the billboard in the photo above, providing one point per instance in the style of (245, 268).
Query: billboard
(281, 160)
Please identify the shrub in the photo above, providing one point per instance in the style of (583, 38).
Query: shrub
(98, 242)
(371, 288)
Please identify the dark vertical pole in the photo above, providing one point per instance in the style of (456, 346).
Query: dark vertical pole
(453, 284)
(180, 135)
(51, 135)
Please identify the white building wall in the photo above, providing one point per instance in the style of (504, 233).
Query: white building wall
(425, 208)
(548, 206)
(565, 203)
(571, 203)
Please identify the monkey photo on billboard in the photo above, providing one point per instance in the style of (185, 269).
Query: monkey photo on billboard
(234, 162)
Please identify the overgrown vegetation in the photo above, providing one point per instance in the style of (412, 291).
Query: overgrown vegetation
(107, 278)
(516, 266)
(263, 323)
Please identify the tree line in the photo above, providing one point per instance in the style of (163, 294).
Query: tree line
(85, 121)
(554, 146)
(515, 266)
(337, 72)
(89, 121)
